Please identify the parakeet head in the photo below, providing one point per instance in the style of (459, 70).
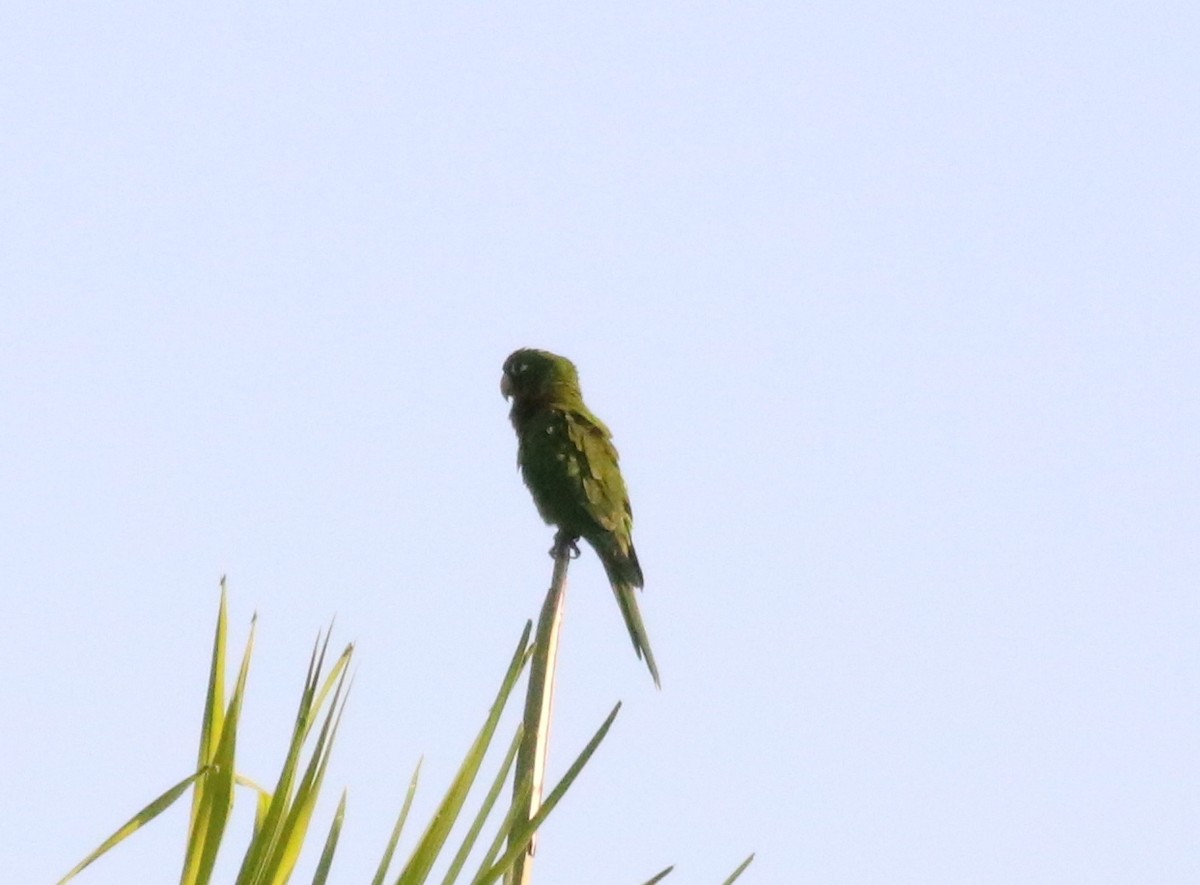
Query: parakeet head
(534, 375)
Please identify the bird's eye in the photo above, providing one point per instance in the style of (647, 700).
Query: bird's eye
(522, 367)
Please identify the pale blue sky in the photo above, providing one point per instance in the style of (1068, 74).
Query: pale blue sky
(892, 309)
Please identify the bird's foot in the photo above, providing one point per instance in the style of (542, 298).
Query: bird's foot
(564, 543)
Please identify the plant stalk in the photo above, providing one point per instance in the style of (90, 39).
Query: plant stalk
(539, 701)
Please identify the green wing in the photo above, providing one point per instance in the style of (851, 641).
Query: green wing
(603, 494)
(598, 481)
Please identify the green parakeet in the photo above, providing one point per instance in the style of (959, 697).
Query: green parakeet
(569, 463)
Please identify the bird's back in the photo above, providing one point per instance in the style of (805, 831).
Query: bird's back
(570, 465)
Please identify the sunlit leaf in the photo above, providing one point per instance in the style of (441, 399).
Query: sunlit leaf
(143, 817)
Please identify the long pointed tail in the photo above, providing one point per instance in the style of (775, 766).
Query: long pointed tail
(625, 575)
(637, 630)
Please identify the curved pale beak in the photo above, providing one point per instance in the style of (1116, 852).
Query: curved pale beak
(505, 386)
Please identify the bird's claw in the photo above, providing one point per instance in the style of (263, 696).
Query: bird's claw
(564, 543)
